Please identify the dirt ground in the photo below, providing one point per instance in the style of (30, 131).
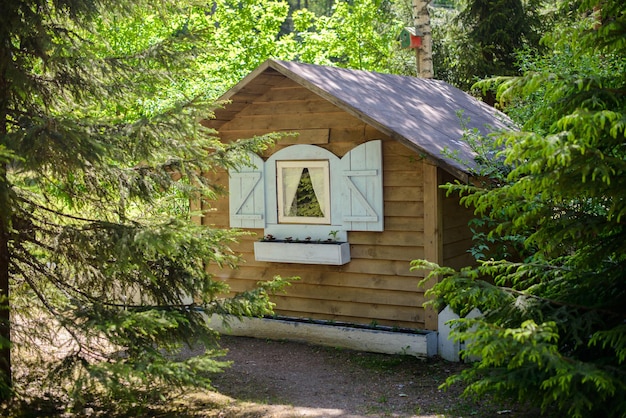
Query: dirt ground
(279, 379)
(282, 379)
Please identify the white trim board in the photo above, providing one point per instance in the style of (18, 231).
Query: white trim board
(360, 339)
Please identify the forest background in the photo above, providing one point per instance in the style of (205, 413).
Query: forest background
(102, 275)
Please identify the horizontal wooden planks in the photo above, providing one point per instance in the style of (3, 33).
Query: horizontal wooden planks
(456, 249)
(287, 92)
(403, 194)
(400, 178)
(246, 276)
(459, 261)
(390, 252)
(292, 121)
(457, 234)
(356, 265)
(395, 238)
(404, 209)
(289, 106)
(404, 223)
(377, 285)
(355, 294)
(350, 309)
(289, 109)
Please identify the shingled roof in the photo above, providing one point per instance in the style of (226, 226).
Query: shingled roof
(421, 113)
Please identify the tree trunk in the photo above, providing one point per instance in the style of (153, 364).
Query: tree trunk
(424, 54)
(5, 219)
(5, 324)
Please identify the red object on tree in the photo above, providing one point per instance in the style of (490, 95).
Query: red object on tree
(409, 38)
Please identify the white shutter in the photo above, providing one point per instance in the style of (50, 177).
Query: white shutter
(247, 195)
(362, 183)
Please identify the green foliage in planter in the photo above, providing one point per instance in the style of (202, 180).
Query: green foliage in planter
(553, 329)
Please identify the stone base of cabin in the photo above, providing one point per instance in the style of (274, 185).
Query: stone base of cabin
(418, 344)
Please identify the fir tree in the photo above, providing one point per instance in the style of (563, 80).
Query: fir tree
(101, 273)
(553, 329)
(482, 39)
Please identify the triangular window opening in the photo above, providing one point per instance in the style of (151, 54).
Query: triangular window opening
(305, 202)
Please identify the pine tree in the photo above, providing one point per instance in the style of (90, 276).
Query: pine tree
(498, 28)
(102, 274)
(551, 282)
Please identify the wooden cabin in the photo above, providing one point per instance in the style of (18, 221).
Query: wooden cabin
(349, 201)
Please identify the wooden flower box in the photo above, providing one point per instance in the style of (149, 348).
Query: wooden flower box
(333, 253)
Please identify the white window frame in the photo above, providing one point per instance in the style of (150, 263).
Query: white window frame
(323, 199)
(356, 193)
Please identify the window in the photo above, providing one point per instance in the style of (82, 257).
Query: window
(303, 192)
(306, 191)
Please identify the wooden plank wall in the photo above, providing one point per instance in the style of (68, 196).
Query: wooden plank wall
(457, 237)
(376, 287)
(433, 230)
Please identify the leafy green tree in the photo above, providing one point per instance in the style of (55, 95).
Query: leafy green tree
(450, 42)
(319, 7)
(553, 329)
(243, 34)
(358, 34)
(247, 33)
(102, 277)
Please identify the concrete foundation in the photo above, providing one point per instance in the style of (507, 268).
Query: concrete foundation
(419, 344)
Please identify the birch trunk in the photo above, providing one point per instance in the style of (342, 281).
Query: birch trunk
(424, 54)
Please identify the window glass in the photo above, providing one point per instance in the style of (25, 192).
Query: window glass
(303, 192)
